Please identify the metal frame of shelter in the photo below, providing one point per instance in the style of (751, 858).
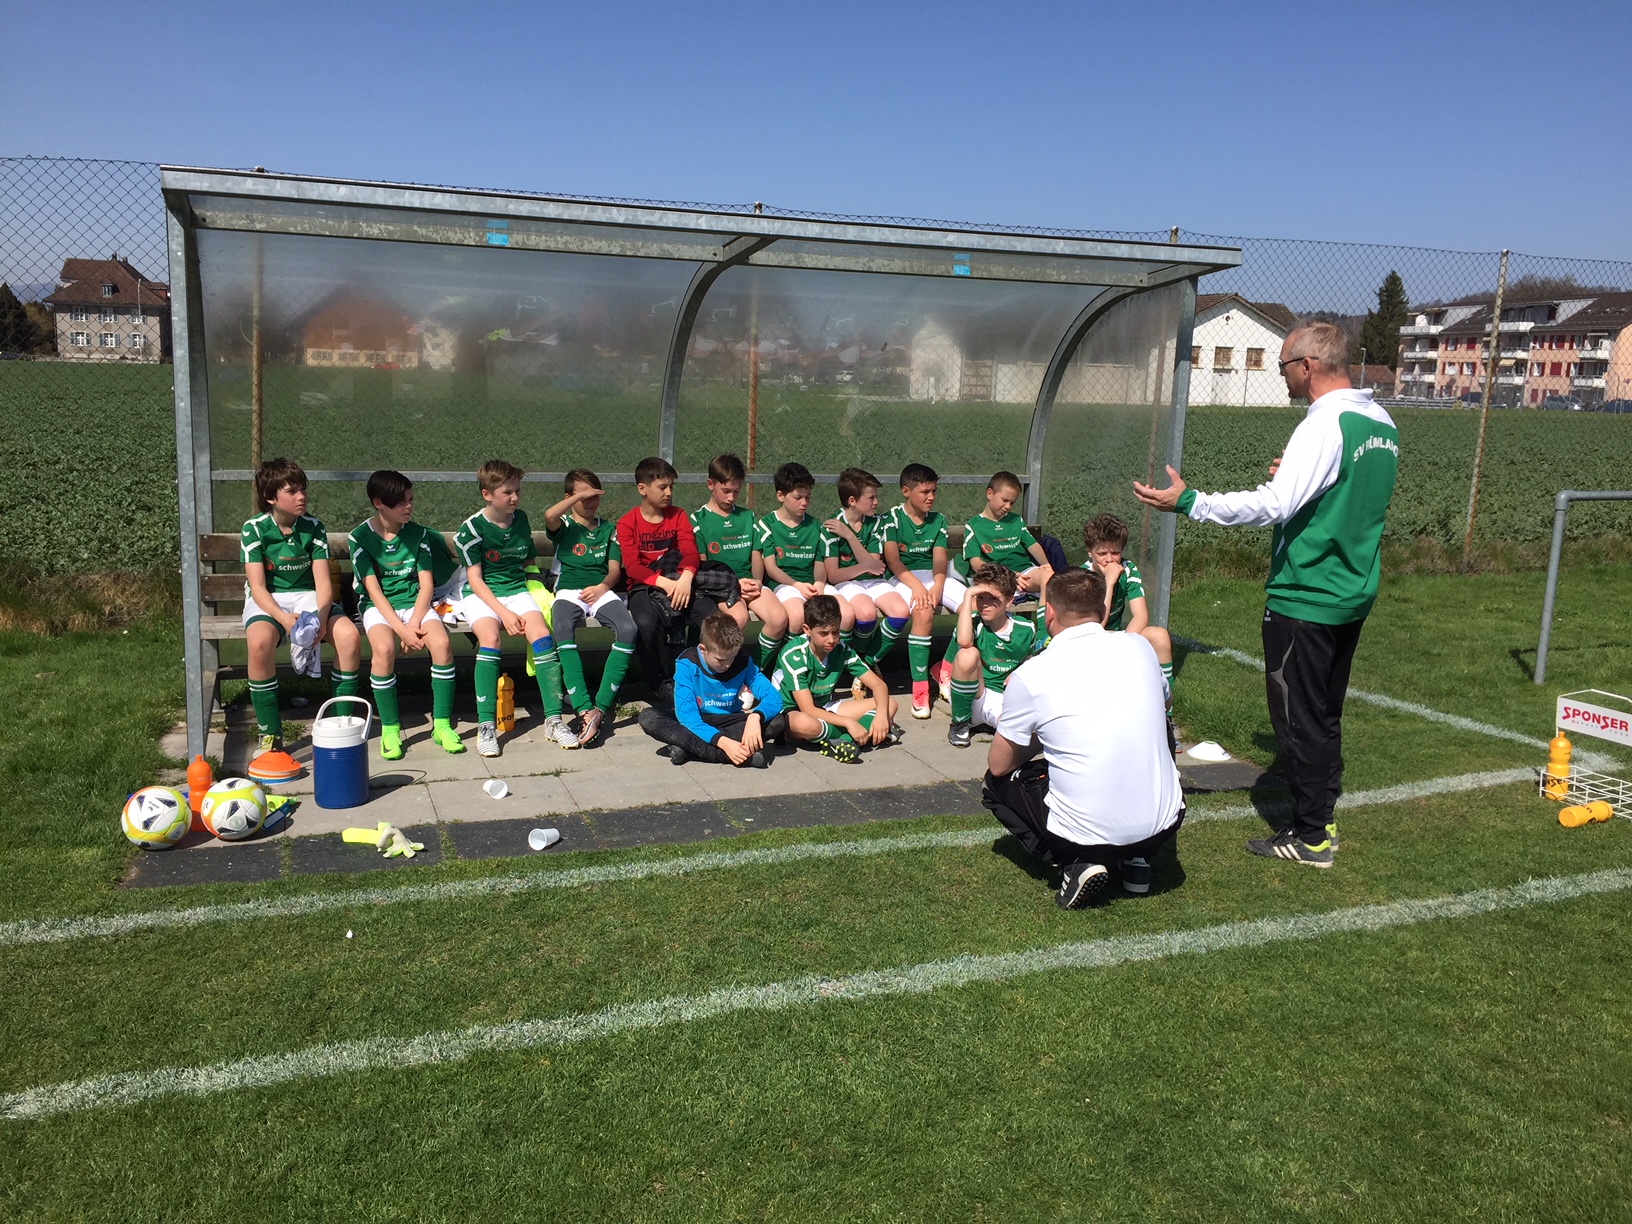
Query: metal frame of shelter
(716, 241)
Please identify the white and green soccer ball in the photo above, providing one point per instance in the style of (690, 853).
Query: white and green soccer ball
(234, 808)
(155, 817)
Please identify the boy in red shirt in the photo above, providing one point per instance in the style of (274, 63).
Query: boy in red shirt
(660, 560)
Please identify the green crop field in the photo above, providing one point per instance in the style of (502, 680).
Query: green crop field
(85, 445)
(841, 1026)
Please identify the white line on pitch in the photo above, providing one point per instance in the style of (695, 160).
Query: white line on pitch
(400, 1053)
(1591, 759)
(1383, 794)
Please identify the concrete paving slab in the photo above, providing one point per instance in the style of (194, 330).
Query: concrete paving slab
(880, 767)
(529, 798)
(329, 855)
(237, 863)
(400, 805)
(910, 802)
(670, 824)
(508, 838)
(629, 788)
(785, 775)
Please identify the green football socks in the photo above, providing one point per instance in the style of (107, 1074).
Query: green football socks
(263, 695)
(1167, 674)
(442, 693)
(385, 700)
(766, 650)
(964, 693)
(617, 667)
(918, 656)
(487, 684)
(346, 683)
(547, 663)
(572, 676)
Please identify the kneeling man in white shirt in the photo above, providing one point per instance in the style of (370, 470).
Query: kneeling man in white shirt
(1081, 769)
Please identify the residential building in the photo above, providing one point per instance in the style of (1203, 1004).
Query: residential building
(1420, 370)
(105, 310)
(356, 330)
(1586, 354)
(1235, 348)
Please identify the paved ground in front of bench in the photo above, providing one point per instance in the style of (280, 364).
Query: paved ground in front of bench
(620, 793)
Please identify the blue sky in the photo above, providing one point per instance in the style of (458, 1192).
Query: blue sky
(1467, 126)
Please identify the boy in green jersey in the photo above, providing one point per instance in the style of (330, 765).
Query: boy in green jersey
(496, 543)
(588, 567)
(915, 549)
(395, 572)
(1106, 538)
(991, 644)
(285, 553)
(999, 536)
(725, 533)
(786, 542)
(808, 677)
(853, 557)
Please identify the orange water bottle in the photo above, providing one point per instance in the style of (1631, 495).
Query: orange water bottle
(505, 714)
(1558, 768)
(200, 777)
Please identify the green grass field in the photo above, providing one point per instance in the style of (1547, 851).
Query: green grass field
(1471, 1065)
(59, 421)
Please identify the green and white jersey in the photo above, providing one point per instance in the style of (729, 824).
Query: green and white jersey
(502, 552)
(799, 668)
(1005, 541)
(288, 557)
(1129, 586)
(583, 553)
(1002, 652)
(793, 549)
(396, 562)
(916, 542)
(442, 562)
(726, 538)
(1327, 502)
(870, 533)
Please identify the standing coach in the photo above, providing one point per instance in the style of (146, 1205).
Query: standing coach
(1327, 498)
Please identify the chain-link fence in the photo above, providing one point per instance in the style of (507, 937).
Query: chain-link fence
(934, 369)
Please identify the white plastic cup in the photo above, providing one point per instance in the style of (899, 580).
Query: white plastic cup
(496, 788)
(543, 839)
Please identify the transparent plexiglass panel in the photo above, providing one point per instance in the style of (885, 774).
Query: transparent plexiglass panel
(840, 369)
(418, 356)
(1112, 424)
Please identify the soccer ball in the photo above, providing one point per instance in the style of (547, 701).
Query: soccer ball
(155, 817)
(234, 808)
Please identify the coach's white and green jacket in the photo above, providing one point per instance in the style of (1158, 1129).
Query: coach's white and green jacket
(1326, 502)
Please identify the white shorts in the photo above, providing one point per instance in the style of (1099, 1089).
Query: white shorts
(372, 616)
(572, 597)
(290, 601)
(788, 593)
(473, 609)
(832, 707)
(872, 588)
(951, 594)
(988, 708)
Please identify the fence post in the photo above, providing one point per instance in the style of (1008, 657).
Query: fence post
(1484, 412)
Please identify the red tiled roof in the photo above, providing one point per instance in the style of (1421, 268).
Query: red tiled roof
(83, 280)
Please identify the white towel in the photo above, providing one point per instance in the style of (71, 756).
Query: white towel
(305, 651)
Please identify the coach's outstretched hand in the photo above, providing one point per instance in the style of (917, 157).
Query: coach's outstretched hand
(1162, 499)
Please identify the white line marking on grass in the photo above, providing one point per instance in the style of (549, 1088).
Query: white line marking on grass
(1384, 794)
(400, 1053)
(58, 930)
(1592, 759)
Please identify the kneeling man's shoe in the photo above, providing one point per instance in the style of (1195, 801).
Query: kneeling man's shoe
(1288, 845)
(1136, 875)
(1080, 884)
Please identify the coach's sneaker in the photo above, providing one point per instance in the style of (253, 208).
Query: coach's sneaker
(446, 737)
(1136, 875)
(960, 734)
(1080, 884)
(920, 699)
(487, 739)
(555, 727)
(842, 751)
(1331, 836)
(390, 742)
(1288, 845)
